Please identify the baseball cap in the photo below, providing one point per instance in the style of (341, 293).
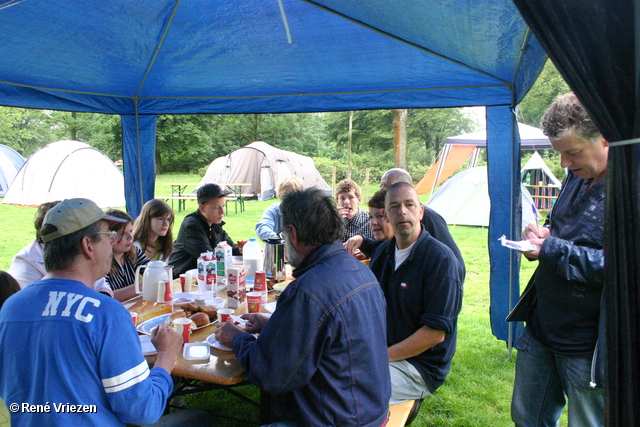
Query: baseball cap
(210, 191)
(71, 215)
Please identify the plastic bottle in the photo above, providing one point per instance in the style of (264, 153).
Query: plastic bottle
(252, 258)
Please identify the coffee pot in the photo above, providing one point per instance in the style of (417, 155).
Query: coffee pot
(274, 260)
(155, 272)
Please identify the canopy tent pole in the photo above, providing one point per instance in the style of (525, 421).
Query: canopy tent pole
(503, 148)
(138, 151)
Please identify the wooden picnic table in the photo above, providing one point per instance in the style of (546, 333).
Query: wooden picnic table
(238, 196)
(178, 193)
(221, 371)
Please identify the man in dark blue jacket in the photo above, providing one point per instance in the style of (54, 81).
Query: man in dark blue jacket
(422, 282)
(557, 351)
(323, 352)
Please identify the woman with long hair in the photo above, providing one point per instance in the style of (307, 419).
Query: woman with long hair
(152, 230)
(126, 258)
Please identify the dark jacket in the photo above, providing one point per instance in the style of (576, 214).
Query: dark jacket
(426, 290)
(195, 237)
(323, 353)
(562, 302)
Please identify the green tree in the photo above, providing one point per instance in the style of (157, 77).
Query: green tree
(547, 87)
(24, 130)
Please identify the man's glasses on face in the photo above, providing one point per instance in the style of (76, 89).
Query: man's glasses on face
(111, 234)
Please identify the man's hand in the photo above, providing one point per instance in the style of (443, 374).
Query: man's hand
(241, 244)
(353, 243)
(168, 343)
(256, 322)
(226, 333)
(343, 212)
(535, 234)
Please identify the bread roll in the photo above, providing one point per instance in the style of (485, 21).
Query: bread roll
(177, 315)
(200, 319)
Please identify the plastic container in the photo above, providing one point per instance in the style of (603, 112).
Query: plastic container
(196, 351)
(252, 257)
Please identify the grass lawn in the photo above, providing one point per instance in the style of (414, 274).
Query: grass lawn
(477, 392)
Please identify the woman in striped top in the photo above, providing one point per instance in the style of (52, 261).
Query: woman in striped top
(152, 230)
(126, 258)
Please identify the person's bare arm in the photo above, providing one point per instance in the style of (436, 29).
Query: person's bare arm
(124, 294)
(353, 243)
(419, 342)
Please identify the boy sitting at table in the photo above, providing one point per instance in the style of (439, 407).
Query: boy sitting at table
(202, 230)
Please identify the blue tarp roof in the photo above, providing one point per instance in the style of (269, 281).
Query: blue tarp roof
(234, 56)
(146, 57)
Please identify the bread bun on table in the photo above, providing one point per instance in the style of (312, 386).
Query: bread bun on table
(177, 315)
(200, 319)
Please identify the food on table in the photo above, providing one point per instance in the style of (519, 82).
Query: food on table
(209, 311)
(200, 319)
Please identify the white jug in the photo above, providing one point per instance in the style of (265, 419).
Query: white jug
(155, 271)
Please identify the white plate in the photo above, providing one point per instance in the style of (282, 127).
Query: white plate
(213, 342)
(147, 346)
(148, 325)
(270, 307)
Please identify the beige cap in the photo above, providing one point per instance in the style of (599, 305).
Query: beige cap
(71, 215)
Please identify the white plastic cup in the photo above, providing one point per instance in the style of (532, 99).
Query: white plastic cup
(182, 326)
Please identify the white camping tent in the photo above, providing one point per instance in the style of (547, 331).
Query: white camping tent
(10, 163)
(464, 200)
(263, 166)
(66, 169)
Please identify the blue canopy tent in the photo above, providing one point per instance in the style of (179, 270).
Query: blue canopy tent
(147, 57)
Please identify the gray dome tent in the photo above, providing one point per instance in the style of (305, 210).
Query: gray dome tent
(263, 166)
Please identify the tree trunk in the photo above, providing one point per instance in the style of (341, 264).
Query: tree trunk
(400, 138)
(350, 134)
(73, 129)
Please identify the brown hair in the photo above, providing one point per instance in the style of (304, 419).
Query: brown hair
(132, 255)
(40, 214)
(154, 208)
(377, 200)
(565, 114)
(8, 286)
(347, 185)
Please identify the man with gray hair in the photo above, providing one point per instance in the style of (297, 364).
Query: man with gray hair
(72, 351)
(322, 354)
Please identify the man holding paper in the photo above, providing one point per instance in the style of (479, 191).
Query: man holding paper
(558, 353)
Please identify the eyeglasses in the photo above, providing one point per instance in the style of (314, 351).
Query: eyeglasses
(111, 234)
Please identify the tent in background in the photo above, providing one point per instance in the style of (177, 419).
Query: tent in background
(66, 169)
(541, 183)
(10, 163)
(464, 200)
(458, 149)
(263, 166)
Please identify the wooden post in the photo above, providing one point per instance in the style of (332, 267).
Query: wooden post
(333, 180)
(349, 145)
(400, 138)
(366, 185)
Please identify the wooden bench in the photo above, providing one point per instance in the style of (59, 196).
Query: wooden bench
(399, 413)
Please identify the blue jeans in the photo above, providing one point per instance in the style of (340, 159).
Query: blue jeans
(544, 378)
